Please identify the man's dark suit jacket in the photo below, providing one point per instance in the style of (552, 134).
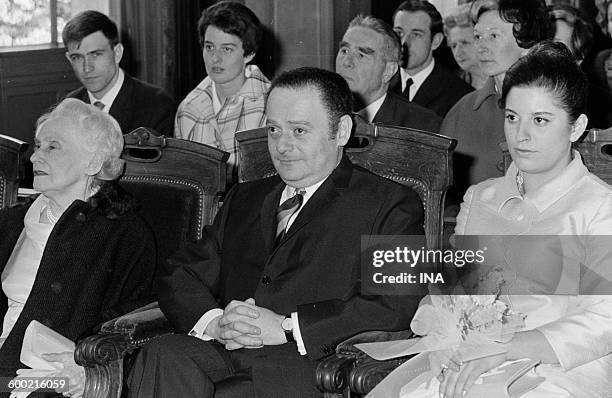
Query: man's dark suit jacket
(398, 111)
(439, 92)
(314, 270)
(139, 104)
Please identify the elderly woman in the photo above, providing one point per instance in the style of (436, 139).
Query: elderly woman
(78, 254)
(233, 95)
(546, 191)
(503, 31)
(459, 32)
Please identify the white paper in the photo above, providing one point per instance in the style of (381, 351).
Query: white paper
(40, 339)
(384, 350)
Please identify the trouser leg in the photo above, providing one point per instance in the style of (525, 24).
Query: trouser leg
(178, 366)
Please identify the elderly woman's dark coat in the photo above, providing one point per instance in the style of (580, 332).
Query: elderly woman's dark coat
(99, 262)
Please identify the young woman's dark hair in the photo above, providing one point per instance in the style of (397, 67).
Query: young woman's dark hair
(582, 30)
(550, 65)
(530, 21)
(234, 19)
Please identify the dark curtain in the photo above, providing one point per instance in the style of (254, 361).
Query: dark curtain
(147, 30)
(189, 63)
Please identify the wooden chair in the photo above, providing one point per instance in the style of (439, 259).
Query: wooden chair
(595, 149)
(12, 168)
(178, 184)
(418, 159)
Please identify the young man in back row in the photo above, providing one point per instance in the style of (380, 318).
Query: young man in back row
(94, 51)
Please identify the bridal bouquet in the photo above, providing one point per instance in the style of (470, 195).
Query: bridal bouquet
(469, 324)
(464, 322)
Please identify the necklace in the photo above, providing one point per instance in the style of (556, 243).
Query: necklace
(50, 216)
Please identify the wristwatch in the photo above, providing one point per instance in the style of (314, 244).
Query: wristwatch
(287, 326)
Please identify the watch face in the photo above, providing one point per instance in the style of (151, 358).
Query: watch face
(287, 324)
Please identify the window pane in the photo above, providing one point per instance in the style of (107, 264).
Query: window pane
(66, 9)
(28, 22)
(24, 22)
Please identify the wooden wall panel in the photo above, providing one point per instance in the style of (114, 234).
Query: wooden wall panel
(302, 33)
(148, 32)
(31, 82)
(344, 12)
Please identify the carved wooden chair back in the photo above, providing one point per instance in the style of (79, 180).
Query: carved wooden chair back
(177, 182)
(418, 159)
(595, 149)
(12, 168)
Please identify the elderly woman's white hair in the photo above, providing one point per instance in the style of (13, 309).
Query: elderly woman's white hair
(99, 134)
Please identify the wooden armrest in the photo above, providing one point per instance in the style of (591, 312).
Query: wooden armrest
(333, 373)
(102, 355)
(337, 372)
(368, 372)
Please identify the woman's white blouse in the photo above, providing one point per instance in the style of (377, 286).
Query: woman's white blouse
(578, 327)
(20, 270)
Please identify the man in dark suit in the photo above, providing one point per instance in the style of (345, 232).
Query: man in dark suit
(275, 282)
(422, 80)
(367, 59)
(93, 49)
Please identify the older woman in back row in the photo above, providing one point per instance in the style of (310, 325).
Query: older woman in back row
(459, 32)
(78, 254)
(547, 191)
(503, 32)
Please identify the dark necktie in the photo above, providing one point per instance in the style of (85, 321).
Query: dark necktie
(99, 105)
(285, 211)
(406, 91)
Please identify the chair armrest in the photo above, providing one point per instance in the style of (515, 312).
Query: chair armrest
(337, 372)
(333, 374)
(368, 372)
(102, 355)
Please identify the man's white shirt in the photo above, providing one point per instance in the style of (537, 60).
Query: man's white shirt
(417, 79)
(108, 98)
(371, 110)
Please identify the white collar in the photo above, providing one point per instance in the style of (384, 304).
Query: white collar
(108, 98)
(417, 79)
(371, 110)
(216, 104)
(290, 191)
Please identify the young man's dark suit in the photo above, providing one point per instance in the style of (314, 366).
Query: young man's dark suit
(439, 92)
(314, 270)
(398, 111)
(139, 104)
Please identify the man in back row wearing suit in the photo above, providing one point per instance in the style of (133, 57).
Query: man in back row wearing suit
(423, 80)
(93, 49)
(367, 59)
(275, 283)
